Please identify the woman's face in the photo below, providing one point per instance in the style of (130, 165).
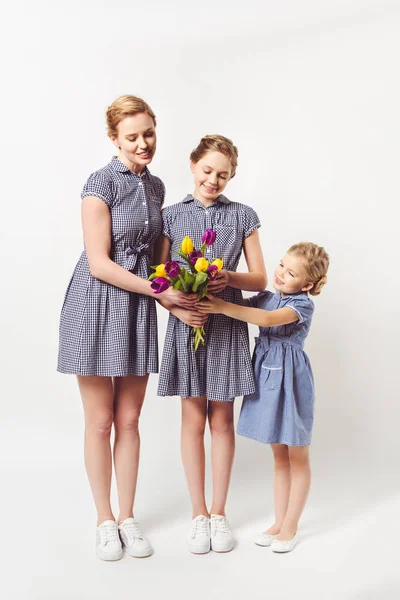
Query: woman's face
(136, 141)
(211, 174)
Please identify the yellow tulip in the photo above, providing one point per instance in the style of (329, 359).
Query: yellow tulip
(201, 264)
(187, 245)
(218, 262)
(160, 270)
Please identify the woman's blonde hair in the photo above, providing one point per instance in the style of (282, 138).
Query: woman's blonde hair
(125, 106)
(216, 143)
(316, 262)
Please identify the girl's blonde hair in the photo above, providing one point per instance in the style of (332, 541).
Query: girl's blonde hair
(125, 106)
(316, 262)
(216, 143)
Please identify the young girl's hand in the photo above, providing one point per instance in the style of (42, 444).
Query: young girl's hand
(210, 304)
(220, 283)
(193, 318)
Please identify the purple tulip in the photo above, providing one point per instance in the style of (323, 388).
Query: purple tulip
(209, 237)
(193, 256)
(172, 269)
(159, 284)
(212, 272)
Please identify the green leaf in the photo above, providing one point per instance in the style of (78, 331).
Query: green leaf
(177, 285)
(200, 278)
(152, 276)
(182, 280)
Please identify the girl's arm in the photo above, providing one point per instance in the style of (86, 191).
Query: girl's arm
(253, 281)
(256, 316)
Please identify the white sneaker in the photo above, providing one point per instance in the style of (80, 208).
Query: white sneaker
(264, 539)
(199, 535)
(108, 544)
(221, 537)
(284, 545)
(133, 541)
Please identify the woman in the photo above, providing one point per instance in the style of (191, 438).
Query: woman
(108, 328)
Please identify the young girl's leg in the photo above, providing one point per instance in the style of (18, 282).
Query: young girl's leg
(300, 486)
(194, 414)
(281, 486)
(220, 417)
(128, 400)
(97, 398)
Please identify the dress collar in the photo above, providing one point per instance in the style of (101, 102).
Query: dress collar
(119, 166)
(221, 198)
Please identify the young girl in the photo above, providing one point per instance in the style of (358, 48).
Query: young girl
(209, 379)
(280, 411)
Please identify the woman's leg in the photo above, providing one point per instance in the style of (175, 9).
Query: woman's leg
(220, 417)
(300, 486)
(129, 394)
(97, 398)
(194, 415)
(281, 485)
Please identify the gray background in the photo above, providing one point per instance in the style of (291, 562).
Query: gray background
(309, 92)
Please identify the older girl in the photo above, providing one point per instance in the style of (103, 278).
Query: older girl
(209, 380)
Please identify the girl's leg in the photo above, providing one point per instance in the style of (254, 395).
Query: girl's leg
(194, 414)
(97, 398)
(281, 485)
(129, 394)
(220, 417)
(300, 486)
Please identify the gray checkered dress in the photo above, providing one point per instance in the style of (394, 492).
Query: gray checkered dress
(105, 330)
(222, 369)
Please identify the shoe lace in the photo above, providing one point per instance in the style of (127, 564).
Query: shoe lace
(219, 525)
(132, 531)
(108, 533)
(199, 526)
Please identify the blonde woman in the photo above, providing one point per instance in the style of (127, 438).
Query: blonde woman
(108, 328)
(209, 380)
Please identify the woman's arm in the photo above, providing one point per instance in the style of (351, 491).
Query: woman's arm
(256, 316)
(253, 281)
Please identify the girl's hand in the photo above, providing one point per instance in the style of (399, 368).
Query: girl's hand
(190, 317)
(220, 283)
(178, 298)
(210, 305)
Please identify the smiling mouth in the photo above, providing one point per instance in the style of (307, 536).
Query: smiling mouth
(143, 154)
(209, 188)
(278, 281)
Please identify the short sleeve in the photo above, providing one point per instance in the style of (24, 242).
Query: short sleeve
(166, 217)
(100, 186)
(303, 307)
(251, 221)
(260, 299)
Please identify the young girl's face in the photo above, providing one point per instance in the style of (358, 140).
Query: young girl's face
(211, 174)
(290, 276)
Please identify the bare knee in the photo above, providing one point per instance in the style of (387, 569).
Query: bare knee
(221, 423)
(299, 457)
(100, 424)
(193, 424)
(127, 422)
(281, 456)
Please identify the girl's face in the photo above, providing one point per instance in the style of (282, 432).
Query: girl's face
(136, 141)
(290, 276)
(211, 174)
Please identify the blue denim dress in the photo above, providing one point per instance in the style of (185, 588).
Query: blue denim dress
(281, 409)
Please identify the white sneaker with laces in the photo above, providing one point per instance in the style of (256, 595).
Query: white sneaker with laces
(199, 535)
(264, 539)
(108, 544)
(284, 545)
(221, 537)
(132, 539)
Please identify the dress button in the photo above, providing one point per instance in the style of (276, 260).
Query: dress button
(144, 203)
(146, 222)
(206, 212)
(140, 183)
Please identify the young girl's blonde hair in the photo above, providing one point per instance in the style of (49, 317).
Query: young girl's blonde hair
(216, 143)
(125, 106)
(316, 262)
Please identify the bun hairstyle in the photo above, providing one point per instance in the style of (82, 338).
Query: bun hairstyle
(125, 106)
(216, 143)
(316, 262)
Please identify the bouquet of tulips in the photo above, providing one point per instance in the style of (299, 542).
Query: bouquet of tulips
(193, 279)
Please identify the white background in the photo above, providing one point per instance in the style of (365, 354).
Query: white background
(309, 92)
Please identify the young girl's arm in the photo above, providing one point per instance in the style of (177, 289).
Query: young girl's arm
(253, 281)
(256, 316)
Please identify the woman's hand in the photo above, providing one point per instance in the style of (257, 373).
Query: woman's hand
(210, 304)
(220, 283)
(190, 317)
(178, 298)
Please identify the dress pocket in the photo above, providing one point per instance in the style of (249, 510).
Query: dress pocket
(271, 377)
